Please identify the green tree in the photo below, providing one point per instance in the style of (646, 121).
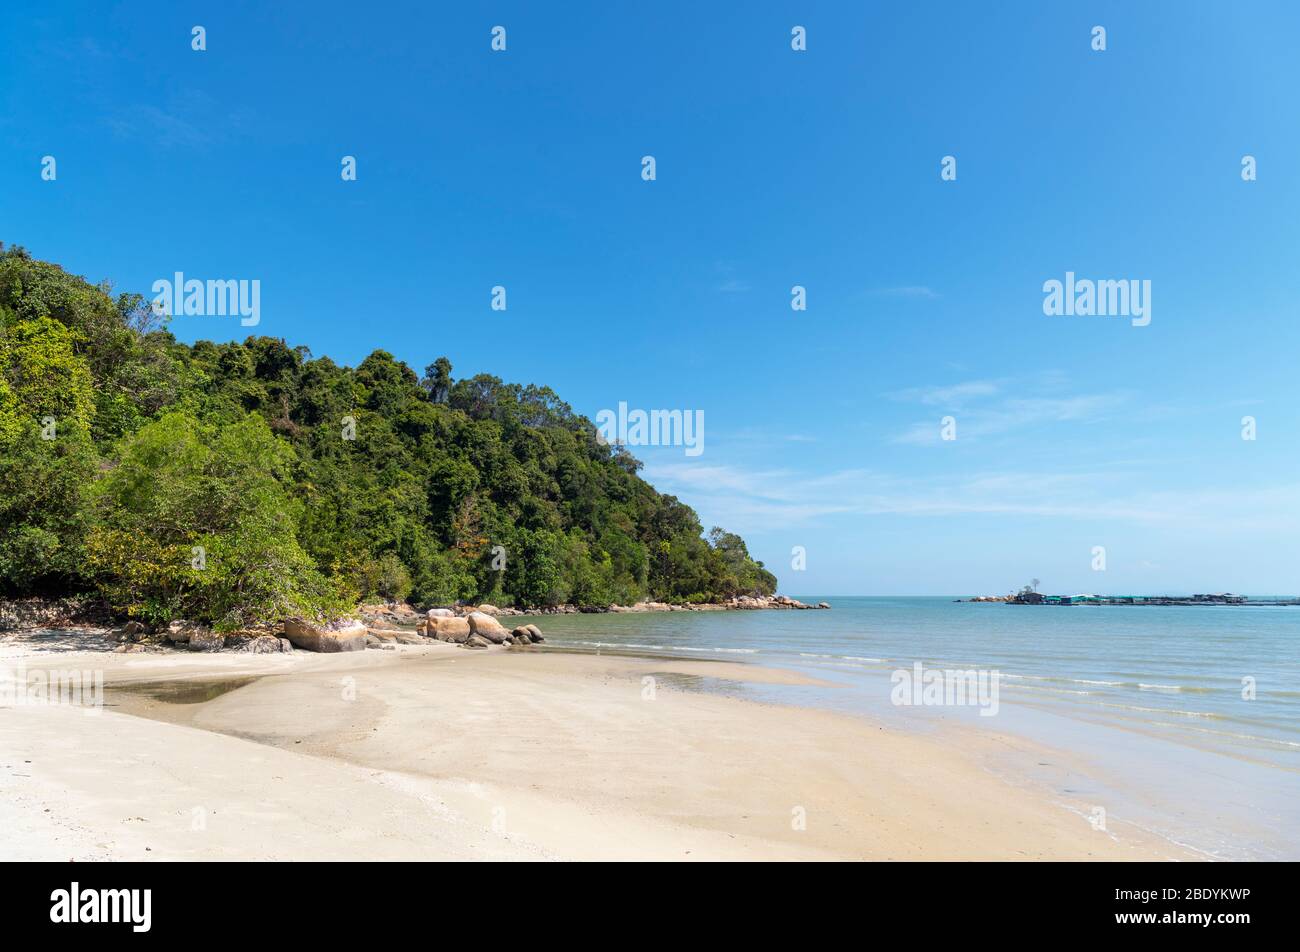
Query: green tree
(197, 522)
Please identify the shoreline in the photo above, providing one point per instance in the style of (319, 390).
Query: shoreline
(433, 752)
(368, 624)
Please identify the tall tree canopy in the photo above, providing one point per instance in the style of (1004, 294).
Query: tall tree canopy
(236, 482)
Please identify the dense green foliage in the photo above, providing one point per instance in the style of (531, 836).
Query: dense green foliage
(236, 483)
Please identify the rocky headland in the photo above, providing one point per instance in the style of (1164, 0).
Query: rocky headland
(379, 626)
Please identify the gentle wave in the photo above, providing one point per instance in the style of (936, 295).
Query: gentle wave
(626, 645)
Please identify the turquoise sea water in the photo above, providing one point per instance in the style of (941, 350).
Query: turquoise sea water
(1154, 703)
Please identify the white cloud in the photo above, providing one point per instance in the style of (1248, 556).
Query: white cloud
(983, 408)
(955, 395)
(751, 500)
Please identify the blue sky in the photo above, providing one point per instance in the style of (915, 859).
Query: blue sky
(775, 168)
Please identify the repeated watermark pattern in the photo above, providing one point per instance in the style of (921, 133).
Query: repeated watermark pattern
(40, 687)
(920, 686)
(189, 297)
(624, 427)
(1085, 297)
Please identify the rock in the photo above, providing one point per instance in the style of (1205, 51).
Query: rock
(201, 639)
(302, 634)
(286, 645)
(263, 644)
(489, 609)
(487, 627)
(477, 641)
(408, 638)
(527, 635)
(178, 632)
(451, 629)
(133, 628)
(823, 605)
(440, 613)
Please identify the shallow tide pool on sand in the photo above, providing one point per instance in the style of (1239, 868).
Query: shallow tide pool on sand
(188, 691)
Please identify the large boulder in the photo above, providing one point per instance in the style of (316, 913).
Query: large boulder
(440, 613)
(487, 627)
(451, 629)
(487, 609)
(303, 634)
(477, 641)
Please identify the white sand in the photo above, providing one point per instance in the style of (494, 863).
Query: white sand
(442, 753)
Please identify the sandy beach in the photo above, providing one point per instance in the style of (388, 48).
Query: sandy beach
(436, 752)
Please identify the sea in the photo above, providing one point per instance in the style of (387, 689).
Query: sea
(1181, 720)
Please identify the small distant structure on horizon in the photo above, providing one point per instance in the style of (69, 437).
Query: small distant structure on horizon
(1027, 596)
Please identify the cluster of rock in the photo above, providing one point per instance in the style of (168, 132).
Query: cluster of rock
(466, 625)
(473, 629)
(476, 629)
(473, 626)
(739, 602)
(753, 602)
(402, 612)
(137, 636)
(664, 607)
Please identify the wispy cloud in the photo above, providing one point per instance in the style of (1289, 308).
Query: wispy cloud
(954, 395)
(986, 408)
(750, 499)
(907, 291)
(189, 119)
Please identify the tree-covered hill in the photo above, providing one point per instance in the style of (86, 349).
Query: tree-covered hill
(237, 483)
